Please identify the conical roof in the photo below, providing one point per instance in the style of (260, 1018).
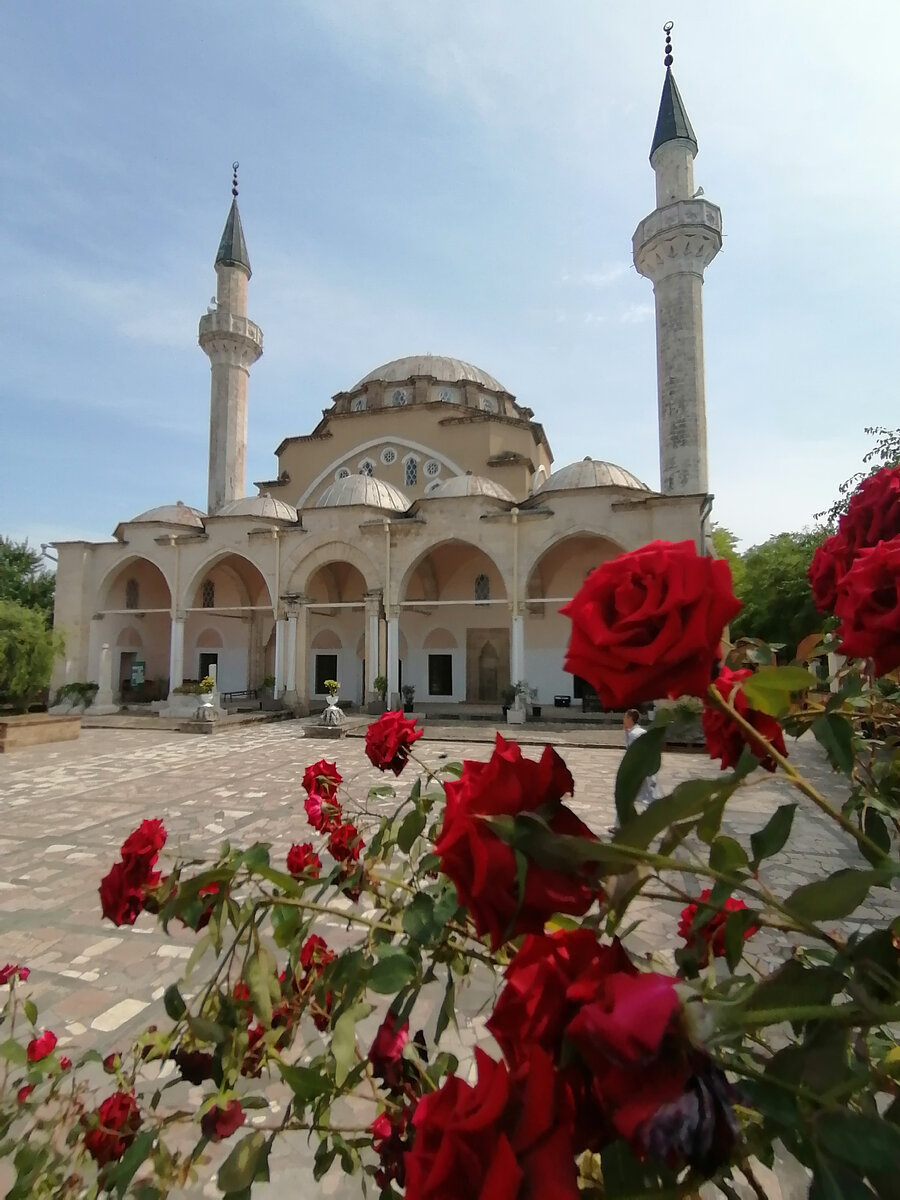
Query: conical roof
(672, 121)
(232, 247)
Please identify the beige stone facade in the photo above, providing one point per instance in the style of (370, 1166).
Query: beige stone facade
(419, 531)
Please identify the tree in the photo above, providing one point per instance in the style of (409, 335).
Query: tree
(725, 546)
(778, 603)
(28, 649)
(23, 578)
(885, 453)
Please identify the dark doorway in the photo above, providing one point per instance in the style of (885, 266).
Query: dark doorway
(326, 668)
(440, 674)
(207, 661)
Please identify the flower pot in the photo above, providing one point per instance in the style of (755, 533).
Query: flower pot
(407, 707)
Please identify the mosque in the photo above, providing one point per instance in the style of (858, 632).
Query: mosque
(419, 532)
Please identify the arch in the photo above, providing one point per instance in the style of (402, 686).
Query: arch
(113, 583)
(428, 567)
(246, 573)
(362, 447)
(210, 639)
(341, 582)
(129, 638)
(300, 567)
(440, 639)
(325, 639)
(575, 539)
(559, 569)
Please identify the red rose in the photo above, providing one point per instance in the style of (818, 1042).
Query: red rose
(710, 936)
(388, 741)
(302, 860)
(828, 567)
(146, 841)
(386, 1052)
(724, 737)
(484, 868)
(344, 843)
(65, 1062)
(698, 1127)
(322, 777)
(112, 1062)
(545, 985)
(119, 1119)
(220, 1123)
(41, 1046)
(196, 1066)
(13, 971)
(323, 814)
(24, 1092)
(391, 1139)
(508, 1137)
(649, 623)
(873, 514)
(315, 954)
(121, 895)
(868, 604)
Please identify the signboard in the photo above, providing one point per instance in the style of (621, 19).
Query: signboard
(137, 673)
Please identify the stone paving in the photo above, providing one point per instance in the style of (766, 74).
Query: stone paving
(67, 808)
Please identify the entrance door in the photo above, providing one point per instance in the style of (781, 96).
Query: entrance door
(207, 661)
(487, 664)
(126, 659)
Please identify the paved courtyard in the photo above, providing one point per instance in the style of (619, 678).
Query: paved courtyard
(66, 810)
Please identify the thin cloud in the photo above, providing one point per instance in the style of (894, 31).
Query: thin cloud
(636, 313)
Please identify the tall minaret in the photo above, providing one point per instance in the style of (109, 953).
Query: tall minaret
(673, 247)
(233, 344)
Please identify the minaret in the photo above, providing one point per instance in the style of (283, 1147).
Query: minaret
(673, 247)
(233, 344)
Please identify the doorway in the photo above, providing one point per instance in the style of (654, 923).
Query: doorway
(208, 660)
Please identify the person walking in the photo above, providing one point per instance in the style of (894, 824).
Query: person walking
(649, 789)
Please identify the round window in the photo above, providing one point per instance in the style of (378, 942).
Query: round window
(488, 404)
(388, 455)
(432, 468)
(359, 403)
(434, 486)
(398, 399)
(342, 473)
(448, 395)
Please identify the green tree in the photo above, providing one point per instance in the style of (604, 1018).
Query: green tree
(725, 546)
(23, 578)
(778, 603)
(28, 649)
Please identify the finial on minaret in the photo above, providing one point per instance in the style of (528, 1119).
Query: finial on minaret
(232, 248)
(667, 30)
(234, 183)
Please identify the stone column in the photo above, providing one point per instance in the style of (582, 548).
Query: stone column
(103, 701)
(373, 620)
(393, 661)
(176, 654)
(290, 678)
(517, 649)
(280, 639)
(302, 660)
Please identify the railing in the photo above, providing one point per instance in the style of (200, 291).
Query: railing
(226, 322)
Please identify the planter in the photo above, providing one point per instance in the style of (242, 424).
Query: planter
(36, 729)
(515, 716)
(407, 708)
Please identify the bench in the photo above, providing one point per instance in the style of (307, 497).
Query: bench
(246, 694)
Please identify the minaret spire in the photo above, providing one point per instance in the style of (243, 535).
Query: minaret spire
(233, 343)
(673, 247)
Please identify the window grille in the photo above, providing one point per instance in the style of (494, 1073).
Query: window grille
(482, 587)
(412, 472)
(208, 594)
(132, 594)
(367, 467)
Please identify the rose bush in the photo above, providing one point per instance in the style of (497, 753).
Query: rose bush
(325, 996)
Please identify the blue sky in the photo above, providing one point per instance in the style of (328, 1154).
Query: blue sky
(457, 177)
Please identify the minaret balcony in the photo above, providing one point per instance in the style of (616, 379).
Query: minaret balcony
(215, 324)
(686, 235)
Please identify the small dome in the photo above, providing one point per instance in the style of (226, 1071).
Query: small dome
(171, 514)
(590, 472)
(472, 485)
(259, 506)
(363, 489)
(444, 370)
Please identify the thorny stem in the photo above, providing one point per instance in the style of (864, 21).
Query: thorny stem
(799, 781)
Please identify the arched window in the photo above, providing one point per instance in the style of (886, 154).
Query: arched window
(132, 594)
(367, 467)
(482, 587)
(208, 594)
(412, 472)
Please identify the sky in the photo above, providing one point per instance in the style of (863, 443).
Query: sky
(456, 177)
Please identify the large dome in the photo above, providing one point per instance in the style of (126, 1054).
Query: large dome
(444, 370)
(471, 485)
(171, 514)
(259, 506)
(363, 489)
(590, 472)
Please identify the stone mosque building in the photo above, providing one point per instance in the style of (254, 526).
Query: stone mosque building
(420, 531)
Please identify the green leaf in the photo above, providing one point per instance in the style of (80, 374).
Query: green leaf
(642, 758)
(258, 973)
(769, 689)
(13, 1053)
(736, 926)
(447, 1011)
(31, 1011)
(412, 826)
(835, 897)
(306, 1083)
(773, 835)
(835, 734)
(727, 855)
(867, 1143)
(687, 800)
(791, 985)
(391, 974)
(205, 1030)
(452, 768)
(876, 830)
(343, 1040)
(134, 1157)
(418, 917)
(832, 1181)
(174, 1002)
(239, 1169)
